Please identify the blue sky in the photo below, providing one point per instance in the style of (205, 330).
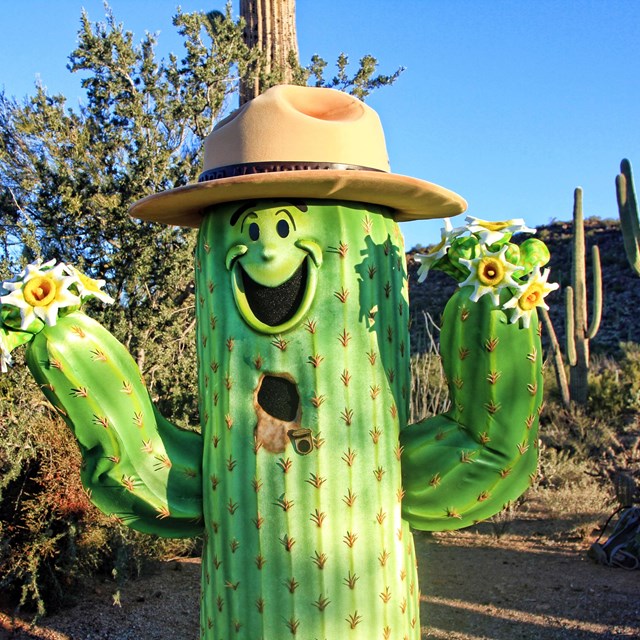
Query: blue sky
(510, 103)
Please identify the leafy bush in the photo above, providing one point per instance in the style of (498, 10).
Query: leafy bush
(429, 391)
(51, 536)
(614, 385)
(575, 431)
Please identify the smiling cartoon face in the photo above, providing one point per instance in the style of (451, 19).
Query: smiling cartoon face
(273, 263)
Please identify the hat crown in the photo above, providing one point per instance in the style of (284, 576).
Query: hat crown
(299, 124)
(299, 142)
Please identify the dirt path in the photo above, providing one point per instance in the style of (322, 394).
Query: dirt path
(524, 585)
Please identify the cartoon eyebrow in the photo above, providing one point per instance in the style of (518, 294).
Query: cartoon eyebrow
(251, 214)
(298, 204)
(286, 212)
(240, 210)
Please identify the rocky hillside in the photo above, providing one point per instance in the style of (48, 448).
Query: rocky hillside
(621, 286)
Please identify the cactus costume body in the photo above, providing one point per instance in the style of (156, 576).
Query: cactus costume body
(306, 478)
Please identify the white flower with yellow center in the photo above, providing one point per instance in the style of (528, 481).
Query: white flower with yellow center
(491, 232)
(529, 296)
(426, 260)
(40, 292)
(489, 273)
(88, 287)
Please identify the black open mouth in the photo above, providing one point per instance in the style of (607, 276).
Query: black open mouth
(276, 305)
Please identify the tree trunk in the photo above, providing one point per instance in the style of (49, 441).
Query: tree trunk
(271, 26)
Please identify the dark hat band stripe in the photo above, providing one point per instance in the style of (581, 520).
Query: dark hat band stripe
(249, 168)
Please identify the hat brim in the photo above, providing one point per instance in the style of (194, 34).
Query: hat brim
(410, 198)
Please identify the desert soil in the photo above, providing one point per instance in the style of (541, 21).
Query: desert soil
(534, 582)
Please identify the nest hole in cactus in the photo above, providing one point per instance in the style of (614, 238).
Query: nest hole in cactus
(279, 398)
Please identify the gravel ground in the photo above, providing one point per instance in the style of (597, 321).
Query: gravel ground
(527, 584)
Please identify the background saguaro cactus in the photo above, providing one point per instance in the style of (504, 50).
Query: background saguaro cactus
(558, 360)
(271, 27)
(628, 209)
(577, 332)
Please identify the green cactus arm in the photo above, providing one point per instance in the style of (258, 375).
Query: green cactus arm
(136, 465)
(570, 324)
(628, 209)
(466, 464)
(596, 316)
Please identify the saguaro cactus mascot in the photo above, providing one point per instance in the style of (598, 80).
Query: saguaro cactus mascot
(307, 477)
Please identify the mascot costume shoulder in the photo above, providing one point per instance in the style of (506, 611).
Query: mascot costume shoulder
(306, 477)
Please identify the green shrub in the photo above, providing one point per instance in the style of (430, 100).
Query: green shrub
(51, 536)
(429, 391)
(575, 431)
(614, 385)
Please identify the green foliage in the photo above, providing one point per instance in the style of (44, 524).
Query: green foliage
(577, 432)
(614, 387)
(360, 85)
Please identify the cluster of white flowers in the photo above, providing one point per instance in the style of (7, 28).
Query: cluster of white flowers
(39, 293)
(490, 272)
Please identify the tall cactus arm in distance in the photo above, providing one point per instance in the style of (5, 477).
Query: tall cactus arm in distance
(558, 359)
(465, 465)
(136, 465)
(578, 333)
(628, 209)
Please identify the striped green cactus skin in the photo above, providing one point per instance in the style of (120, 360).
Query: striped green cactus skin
(465, 465)
(303, 543)
(136, 466)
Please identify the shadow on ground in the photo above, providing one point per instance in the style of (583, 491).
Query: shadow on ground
(529, 584)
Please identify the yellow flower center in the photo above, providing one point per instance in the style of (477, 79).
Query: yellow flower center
(40, 291)
(490, 271)
(437, 247)
(531, 298)
(493, 226)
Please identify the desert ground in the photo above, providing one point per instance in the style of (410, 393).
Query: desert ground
(529, 578)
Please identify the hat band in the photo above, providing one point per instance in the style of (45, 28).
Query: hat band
(249, 168)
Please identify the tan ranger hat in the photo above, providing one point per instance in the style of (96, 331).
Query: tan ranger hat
(299, 142)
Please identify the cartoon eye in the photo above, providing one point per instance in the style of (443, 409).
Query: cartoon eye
(282, 228)
(254, 231)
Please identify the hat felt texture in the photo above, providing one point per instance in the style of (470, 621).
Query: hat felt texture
(299, 142)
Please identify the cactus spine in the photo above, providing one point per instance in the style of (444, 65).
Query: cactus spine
(628, 209)
(577, 331)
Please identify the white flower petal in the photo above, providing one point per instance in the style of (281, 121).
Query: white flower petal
(426, 260)
(28, 317)
(481, 288)
(90, 287)
(536, 279)
(5, 355)
(492, 232)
